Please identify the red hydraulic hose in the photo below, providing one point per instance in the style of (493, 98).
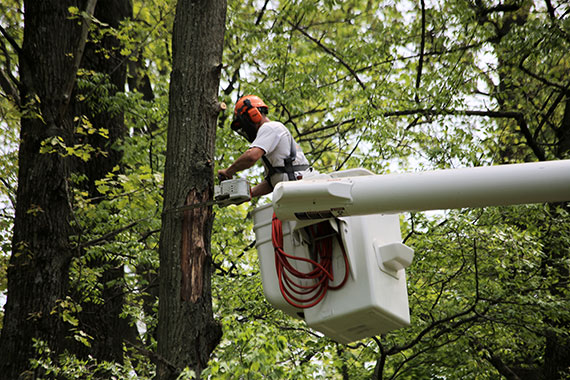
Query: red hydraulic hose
(321, 276)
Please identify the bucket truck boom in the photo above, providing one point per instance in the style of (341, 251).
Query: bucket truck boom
(431, 190)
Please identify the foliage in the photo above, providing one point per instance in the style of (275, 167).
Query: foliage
(9, 121)
(360, 83)
(70, 367)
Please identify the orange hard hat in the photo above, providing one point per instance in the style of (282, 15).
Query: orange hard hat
(243, 106)
(247, 116)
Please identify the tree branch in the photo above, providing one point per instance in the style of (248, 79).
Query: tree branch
(541, 79)
(501, 367)
(509, 372)
(11, 40)
(147, 234)
(331, 52)
(537, 150)
(11, 192)
(501, 8)
(380, 362)
(261, 13)
(68, 87)
(413, 356)
(7, 81)
(326, 127)
(550, 9)
(444, 112)
(360, 136)
(9, 88)
(108, 235)
(154, 357)
(549, 113)
(518, 116)
(437, 324)
(422, 48)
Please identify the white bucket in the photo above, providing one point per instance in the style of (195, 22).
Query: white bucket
(373, 300)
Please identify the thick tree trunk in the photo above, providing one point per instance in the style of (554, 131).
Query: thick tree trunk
(187, 332)
(102, 321)
(38, 269)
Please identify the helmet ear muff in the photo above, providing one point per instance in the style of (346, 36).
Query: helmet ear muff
(252, 112)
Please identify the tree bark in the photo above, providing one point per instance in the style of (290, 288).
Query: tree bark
(41, 250)
(102, 321)
(187, 332)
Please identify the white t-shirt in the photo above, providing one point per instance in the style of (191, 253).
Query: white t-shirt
(275, 140)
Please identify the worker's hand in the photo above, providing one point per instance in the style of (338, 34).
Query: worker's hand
(223, 174)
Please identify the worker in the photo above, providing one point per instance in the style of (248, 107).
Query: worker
(270, 141)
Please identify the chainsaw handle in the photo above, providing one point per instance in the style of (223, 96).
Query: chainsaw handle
(222, 176)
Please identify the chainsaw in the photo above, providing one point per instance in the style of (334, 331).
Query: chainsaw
(228, 192)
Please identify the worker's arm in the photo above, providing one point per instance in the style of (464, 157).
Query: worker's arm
(261, 188)
(245, 161)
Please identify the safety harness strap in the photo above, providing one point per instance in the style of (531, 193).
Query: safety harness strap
(288, 167)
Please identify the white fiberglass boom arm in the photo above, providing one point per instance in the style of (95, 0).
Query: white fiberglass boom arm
(431, 190)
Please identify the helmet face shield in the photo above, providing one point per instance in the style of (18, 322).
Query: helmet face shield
(244, 127)
(242, 133)
(236, 126)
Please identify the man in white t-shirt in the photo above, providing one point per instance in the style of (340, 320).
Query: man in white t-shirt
(270, 141)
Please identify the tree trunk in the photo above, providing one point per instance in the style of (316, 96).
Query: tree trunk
(102, 321)
(41, 251)
(187, 332)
